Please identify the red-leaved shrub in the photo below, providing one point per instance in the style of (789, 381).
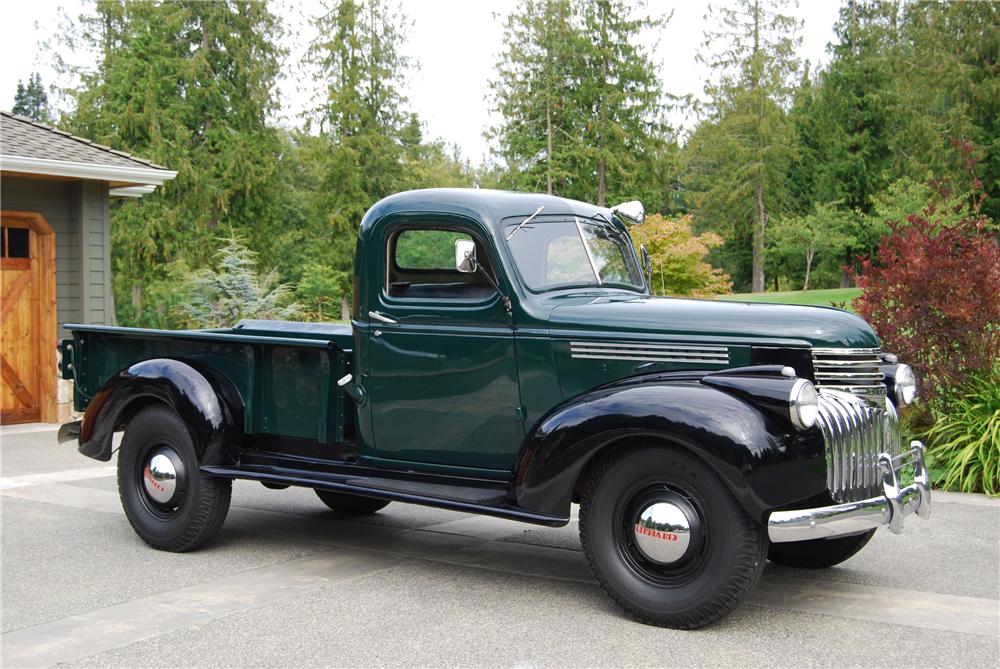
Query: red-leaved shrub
(932, 293)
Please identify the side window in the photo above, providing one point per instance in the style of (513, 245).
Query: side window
(421, 265)
(427, 249)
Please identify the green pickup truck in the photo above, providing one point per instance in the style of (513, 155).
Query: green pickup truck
(505, 357)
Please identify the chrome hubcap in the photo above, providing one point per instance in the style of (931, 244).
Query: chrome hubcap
(160, 475)
(662, 532)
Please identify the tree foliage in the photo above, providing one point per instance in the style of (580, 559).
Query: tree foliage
(795, 170)
(579, 99)
(31, 100)
(189, 85)
(798, 243)
(678, 258)
(739, 156)
(369, 146)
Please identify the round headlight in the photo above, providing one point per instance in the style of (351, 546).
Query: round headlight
(906, 385)
(803, 404)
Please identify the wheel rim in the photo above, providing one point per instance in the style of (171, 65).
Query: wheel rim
(162, 480)
(660, 533)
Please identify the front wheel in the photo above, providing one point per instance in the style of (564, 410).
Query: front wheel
(817, 553)
(666, 539)
(170, 504)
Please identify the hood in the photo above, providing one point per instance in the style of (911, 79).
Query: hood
(627, 315)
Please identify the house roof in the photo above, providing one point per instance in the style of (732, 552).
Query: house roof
(30, 147)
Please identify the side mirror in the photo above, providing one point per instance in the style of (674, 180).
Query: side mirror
(632, 211)
(465, 256)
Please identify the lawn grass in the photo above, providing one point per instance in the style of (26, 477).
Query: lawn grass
(824, 298)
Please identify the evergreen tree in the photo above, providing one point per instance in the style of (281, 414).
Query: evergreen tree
(32, 101)
(740, 155)
(541, 127)
(361, 117)
(189, 85)
(857, 106)
(621, 92)
(948, 86)
(580, 102)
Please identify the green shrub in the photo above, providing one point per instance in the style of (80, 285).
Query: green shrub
(964, 442)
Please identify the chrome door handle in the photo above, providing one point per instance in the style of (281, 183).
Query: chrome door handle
(382, 318)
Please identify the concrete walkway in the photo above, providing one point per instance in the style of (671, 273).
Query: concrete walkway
(288, 584)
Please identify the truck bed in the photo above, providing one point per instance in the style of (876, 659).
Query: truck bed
(283, 372)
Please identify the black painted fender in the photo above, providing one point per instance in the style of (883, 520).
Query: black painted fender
(763, 460)
(206, 402)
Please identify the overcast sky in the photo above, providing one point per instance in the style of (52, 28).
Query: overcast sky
(454, 42)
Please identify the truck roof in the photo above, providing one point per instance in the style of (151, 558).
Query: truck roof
(489, 206)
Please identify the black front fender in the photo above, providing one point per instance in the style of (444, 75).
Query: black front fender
(764, 462)
(207, 404)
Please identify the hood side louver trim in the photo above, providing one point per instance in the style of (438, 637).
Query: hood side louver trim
(642, 352)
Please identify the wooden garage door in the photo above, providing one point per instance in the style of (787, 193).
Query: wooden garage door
(27, 318)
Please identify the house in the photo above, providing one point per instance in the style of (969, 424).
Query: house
(55, 253)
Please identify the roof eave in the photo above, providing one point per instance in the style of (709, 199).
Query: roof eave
(138, 176)
(131, 191)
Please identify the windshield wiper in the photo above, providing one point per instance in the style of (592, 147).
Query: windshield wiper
(524, 222)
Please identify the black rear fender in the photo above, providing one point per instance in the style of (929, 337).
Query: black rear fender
(206, 401)
(763, 461)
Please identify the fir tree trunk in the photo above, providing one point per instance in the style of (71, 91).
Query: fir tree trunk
(601, 186)
(809, 261)
(757, 276)
(345, 309)
(760, 220)
(548, 138)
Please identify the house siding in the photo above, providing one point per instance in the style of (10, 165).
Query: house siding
(78, 213)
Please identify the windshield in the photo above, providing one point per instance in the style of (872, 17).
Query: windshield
(573, 252)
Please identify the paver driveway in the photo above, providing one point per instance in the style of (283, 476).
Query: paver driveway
(287, 583)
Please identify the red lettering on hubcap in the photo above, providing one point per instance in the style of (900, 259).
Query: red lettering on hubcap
(656, 534)
(153, 482)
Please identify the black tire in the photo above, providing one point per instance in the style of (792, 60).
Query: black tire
(201, 503)
(725, 553)
(817, 553)
(347, 504)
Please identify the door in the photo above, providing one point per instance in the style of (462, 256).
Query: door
(27, 318)
(442, 374)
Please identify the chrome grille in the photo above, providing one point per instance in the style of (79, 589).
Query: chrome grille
(853, 370)
(856, 432)
(610, 350)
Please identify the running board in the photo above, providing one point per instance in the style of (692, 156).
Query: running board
(485, 500)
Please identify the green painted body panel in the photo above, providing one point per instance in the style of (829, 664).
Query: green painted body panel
(286, 382)
(454, 385)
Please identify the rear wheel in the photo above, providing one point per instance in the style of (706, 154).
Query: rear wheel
(666, 539)
(170, 504)
(817, 553)
(351, 505)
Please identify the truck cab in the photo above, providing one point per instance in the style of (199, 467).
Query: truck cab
(506, 357)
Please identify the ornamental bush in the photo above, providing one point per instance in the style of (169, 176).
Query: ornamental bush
(932, 293)
(678, 257)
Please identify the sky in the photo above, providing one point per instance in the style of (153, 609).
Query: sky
(454, 43)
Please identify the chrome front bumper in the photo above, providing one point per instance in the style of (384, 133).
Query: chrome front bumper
(889, 508)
